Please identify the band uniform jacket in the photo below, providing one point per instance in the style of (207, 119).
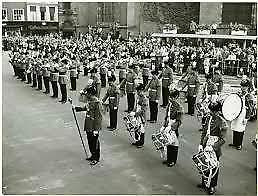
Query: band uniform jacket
(141, 107)
(96, 83)
(167, 77)
(218, 127)
(154, 88)
(176, 113)
(113, 95)
(53, 74)
(73, 72)
(62, 79)
(122, 71)
(217, 79)
(146, 70)
(93, 118)
(46, 72)
(210, 88)
(103, 70)
(130, 82)
(193, 84)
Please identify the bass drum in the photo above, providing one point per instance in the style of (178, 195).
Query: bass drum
(231, 106)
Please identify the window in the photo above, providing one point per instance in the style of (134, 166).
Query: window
(67, 5)
(105, 12)
(33, 8)
(42, 13)
(4, 14)
(52, 13)
(18, 14)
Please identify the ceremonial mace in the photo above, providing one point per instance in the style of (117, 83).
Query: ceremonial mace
(74, 115)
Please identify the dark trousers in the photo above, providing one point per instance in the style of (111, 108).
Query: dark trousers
(145, 80)
(153, 110)
(214, 180)
(39, 82)
(191, 103)
(103, 80)
(46, 83)
(172, 152)
(85, 71)
(113, 118)
(23, 75)
(94, 145)
(120, 80)
(19, 73)
(73, 83)
(140, 141)
(55, 88)
(15, 71)
(165, 95)
(29, 78)
(130, 101)
(238, 138)
(63, 92)
(34, 84)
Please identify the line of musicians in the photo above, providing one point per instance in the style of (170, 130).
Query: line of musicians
(39, 69)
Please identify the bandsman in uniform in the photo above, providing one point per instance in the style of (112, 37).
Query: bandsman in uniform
(167, 79)
(39, 75)
(130, 85)
(34, 74)
(146, 73)
(103, 74)
(54, 78)
(96, 82)
(217, 127)
(140, 113)
(63, 79)
(73, 75)
(210, 90)
(46, 76)
(238, 125)
(154, 88)
(173, 120)
(23, 68)
(112, 95)
(218, 80)
(92, 124)
(28, 71)
(193, 85)
(122, 71)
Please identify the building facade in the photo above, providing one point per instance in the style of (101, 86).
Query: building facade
(29, 17)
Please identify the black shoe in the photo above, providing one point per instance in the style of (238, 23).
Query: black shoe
(134, 144)
(201, 186)
(231, 145)
(212, 191)
(94, 162)
(109, 127)
(153, 121)
(171, 164)
(60, 101)
(140, 146)
(149, 120)
(89, 159)
(164, 162)
(63, 102)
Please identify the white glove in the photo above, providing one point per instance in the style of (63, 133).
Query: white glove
(95, 133)
(208, 148)
(157, 101)
(200, 148)
(132, 113)
(73, 106)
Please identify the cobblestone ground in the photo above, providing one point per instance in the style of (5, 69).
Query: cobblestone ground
(42, 153)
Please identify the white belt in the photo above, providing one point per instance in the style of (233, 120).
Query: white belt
(217, 83)
(153, 90)
(111, 97)
(146, 68)
(130, 82)
(166, 78)
(192, 85)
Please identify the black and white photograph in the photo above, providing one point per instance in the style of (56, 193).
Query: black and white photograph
(129, 98)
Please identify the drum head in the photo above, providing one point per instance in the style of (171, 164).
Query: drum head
(232, 107)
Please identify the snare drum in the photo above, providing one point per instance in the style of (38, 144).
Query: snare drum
(160, 140)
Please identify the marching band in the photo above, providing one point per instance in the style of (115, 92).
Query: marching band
(51, 58)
